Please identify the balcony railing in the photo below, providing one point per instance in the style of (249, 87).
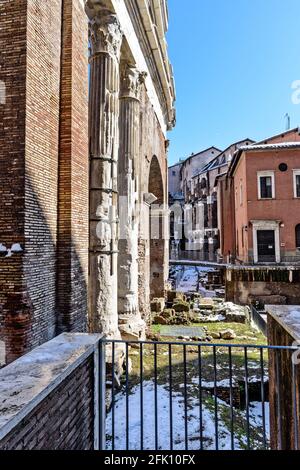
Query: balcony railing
(193, 396)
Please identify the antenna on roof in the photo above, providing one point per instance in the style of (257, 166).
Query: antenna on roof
(288, 122)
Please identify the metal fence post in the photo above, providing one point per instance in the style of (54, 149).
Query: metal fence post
(102, 395)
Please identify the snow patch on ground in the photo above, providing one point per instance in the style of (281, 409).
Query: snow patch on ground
(163, 421)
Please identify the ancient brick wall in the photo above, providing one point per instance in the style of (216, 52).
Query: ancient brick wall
(13, 17)
(72, 256)
(41, 163)
(44, 162)
(270, 286)
(63, 421)
(154, 255)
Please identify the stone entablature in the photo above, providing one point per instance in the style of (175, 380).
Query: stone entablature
(152, 59)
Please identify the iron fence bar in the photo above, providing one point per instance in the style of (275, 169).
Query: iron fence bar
(127, 397)
(278, 390)
(142, 396)
(185, 399)
(208, 345)
(171, 397)
(102, 395)
(231, 398)
(216, 398)
(247, 397)
(295, 407)
(263, 439)
(200, 396)
(155, 397)
(262, 375)
(113, 396)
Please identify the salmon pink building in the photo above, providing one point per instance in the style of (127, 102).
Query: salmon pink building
(259, 200)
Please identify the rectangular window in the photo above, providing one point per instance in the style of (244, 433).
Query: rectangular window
(297, 183)
(266, 185)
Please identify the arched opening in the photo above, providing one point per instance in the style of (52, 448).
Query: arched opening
(158, 248)
(298, 236)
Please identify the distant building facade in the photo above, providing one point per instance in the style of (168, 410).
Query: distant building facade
(204, 234)
(259, 215)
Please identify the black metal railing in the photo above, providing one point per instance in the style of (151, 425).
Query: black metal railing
(194, 255)
(194, 396)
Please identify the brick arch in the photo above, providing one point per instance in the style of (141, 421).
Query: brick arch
(155, 181)
(157, 231)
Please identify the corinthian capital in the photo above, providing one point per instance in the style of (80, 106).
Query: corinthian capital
(105, 32)
(131, 80)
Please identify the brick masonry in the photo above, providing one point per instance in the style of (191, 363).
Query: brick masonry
(153, 171)
(73, 172)
(13, 17)
(62, 421)
(44, 174)
(43, 161)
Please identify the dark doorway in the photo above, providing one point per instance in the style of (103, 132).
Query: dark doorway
(266, 246)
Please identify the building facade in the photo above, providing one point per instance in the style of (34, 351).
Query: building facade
(193, 165)
(260, 197)
(83, 156)
(204, 236)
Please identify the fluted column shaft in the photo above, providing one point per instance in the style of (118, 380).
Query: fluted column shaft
(130, 323)
(105, 41)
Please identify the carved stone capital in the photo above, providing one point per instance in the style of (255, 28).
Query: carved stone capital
(105, 33)
(131, 81)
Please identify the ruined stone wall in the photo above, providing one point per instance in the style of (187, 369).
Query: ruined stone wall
(45, 162)
(12, 148)
(152, 146)
(270, 286)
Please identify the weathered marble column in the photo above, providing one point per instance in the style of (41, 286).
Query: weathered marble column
(131, 325)
(105, 42)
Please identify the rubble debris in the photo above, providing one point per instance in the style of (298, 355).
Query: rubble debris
(228, 334)
(157, 305)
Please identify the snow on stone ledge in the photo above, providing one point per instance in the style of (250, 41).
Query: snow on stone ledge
(288, 316)
(31, 378)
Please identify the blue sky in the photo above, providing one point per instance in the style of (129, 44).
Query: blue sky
(234, 62)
